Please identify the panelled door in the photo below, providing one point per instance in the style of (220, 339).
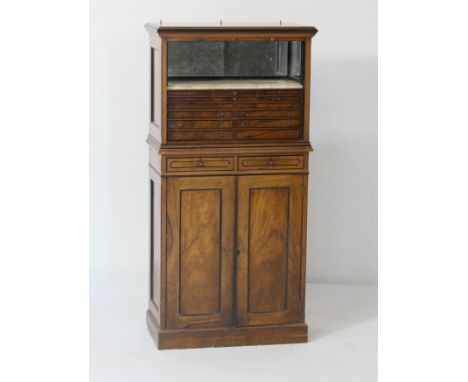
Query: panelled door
(200, 251)
(269, 237)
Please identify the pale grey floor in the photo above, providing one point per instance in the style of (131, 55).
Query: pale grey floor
(342, 342)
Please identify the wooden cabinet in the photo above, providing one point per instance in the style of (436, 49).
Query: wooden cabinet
(229, 150)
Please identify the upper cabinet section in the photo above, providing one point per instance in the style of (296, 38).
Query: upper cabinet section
(218, 85)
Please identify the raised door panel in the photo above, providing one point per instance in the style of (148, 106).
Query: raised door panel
(200, 246)
(269, 250)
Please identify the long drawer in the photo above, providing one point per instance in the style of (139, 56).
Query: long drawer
(200, 164)
(275, 162)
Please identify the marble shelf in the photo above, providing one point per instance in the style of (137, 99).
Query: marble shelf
(233, 84)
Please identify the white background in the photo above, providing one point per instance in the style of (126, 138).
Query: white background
(342, 230)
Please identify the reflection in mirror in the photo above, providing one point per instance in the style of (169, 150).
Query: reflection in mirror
(235, 59)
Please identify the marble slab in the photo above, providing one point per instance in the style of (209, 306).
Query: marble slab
(233, 84)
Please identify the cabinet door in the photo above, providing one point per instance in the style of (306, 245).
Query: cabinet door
(200, 248)
(269, 249)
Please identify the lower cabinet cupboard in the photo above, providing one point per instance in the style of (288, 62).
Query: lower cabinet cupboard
(200, 251)
(232, 261)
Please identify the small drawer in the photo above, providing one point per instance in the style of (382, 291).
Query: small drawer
(281, 92)
(278, 98)
(199, 164)
(191, 93)
(267, 134)
(193, 135)
(199, 99)
(267, 114)
(260, 123)
(199, 114)
(199, 106)
(274, 162)
(199, 124)
(270, 106)
(251, 98)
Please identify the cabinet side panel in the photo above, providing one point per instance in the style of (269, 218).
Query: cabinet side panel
(155, 246)
(156, 90)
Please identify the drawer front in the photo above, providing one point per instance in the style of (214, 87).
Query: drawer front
(287, 162)
(246, 123)
(199, 124)
(194, 93)
(199, 114)
(199, 164)
(267, 114)
(270, 106)
(278, 98)
(199, 106)
(281, 92)
(266, 134)
(200, 99)
(191, 135)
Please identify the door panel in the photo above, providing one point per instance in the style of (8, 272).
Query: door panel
(200, 226)
(269, 249)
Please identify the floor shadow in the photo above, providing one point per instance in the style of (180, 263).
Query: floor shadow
(333, 308)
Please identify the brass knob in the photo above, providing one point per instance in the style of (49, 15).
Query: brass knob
(200, 163)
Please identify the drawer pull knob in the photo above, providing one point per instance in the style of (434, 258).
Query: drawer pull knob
(221, 114)
(270, 162)
(200, 163)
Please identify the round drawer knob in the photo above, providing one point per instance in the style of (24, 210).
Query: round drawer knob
(221, 114)
(200, 164)
(270, 162)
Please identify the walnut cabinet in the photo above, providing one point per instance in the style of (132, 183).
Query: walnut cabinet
(228, 148)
